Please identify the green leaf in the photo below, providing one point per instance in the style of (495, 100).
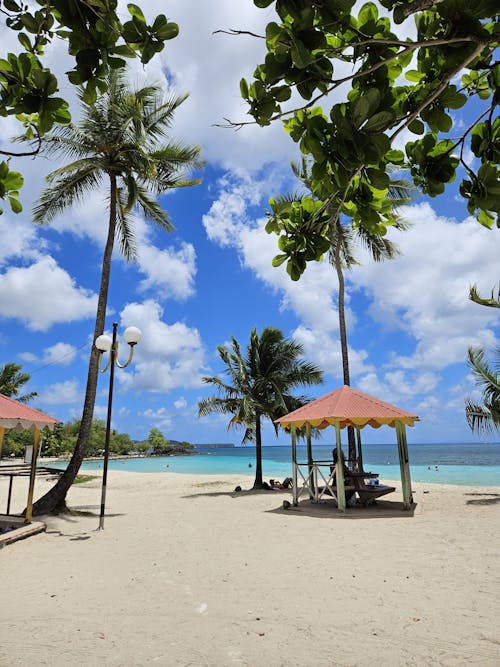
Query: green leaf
(136, 12)
(90, 94)
(5, 66)
(124, 50)
(15, 205)
(279, 260)
(380, 121)
(486, 218)
(25, 41)
(13, 181)
(414, 75)
(360, 110)
(378, 178)
(12, 6)
(282, 93)
(167, 31)
(244, 89)
(301, 56)
(368, 13)
(395, 156)
(416, 126)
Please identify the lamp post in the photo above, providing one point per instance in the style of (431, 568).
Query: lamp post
(104, 344)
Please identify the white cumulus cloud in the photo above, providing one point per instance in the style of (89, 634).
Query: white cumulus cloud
(59, 353)
(43, 294)
(62, 393)
(168, 356)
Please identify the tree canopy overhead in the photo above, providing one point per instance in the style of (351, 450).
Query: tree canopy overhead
(375, 85)
(97, 42)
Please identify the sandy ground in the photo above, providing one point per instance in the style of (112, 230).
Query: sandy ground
(187, 572)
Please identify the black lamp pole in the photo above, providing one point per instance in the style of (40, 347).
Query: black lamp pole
(112, 353)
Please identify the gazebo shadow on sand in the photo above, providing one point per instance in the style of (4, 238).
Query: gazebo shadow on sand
(325, 509)
(382, 509)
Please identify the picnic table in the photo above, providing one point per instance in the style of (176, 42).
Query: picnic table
(12, 470)
(367, 493)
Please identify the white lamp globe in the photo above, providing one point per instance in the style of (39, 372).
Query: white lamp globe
(103, 343)
(132, 335)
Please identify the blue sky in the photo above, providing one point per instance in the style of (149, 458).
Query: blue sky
(409, 320)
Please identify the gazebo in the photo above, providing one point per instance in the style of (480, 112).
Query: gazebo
(15, 416)
(341, 408)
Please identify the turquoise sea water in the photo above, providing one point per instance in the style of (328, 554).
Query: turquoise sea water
(476, 464)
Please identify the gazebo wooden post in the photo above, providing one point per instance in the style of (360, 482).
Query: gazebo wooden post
(339, 472)
(360, 451)
(406, 460)
(31, 490)
(311, 477)
(404, 465)
(295, 494)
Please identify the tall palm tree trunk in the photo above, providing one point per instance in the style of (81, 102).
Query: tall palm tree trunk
(258, 454)
(343, 343)
(54, 499)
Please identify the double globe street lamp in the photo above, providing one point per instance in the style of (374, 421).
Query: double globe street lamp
(105, 343)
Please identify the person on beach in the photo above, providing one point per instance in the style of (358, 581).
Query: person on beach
(342, 459)
(350, 495)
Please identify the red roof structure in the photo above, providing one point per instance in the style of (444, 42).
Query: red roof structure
(15, 416)
(347, 407)
(19, 417)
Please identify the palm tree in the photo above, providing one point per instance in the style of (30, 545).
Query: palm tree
(121, 144)
(12, 381)
(259, 385)
(484, 418)
(344, 238)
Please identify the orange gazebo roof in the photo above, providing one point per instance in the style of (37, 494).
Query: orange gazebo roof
(17, 416)
(347, 407)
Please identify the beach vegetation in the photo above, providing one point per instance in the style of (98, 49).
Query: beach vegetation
(82, 479)
(484, 417)
(12, 381)
(98, 38)
(260, 382)
(157, 441)
(158, 445)
(380, 80)
(61, 441)
(120, 146)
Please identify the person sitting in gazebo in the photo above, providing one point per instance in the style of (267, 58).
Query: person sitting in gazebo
(349, 495)
(335, 460)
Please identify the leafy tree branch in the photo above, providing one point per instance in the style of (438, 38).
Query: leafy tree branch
(98, 41)
(395, 84)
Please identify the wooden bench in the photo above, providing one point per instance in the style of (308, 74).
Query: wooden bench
(368, 493)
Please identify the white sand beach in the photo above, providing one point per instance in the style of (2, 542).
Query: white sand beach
(187, 572)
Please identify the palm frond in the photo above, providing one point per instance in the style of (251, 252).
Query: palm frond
(485, 417)
(379, 247)
(63, 193)
(492, 302)
(128, 245)
(160, 117)
(152, 210)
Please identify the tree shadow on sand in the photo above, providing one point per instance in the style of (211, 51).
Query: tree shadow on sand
(493, 498)
(244, 493)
